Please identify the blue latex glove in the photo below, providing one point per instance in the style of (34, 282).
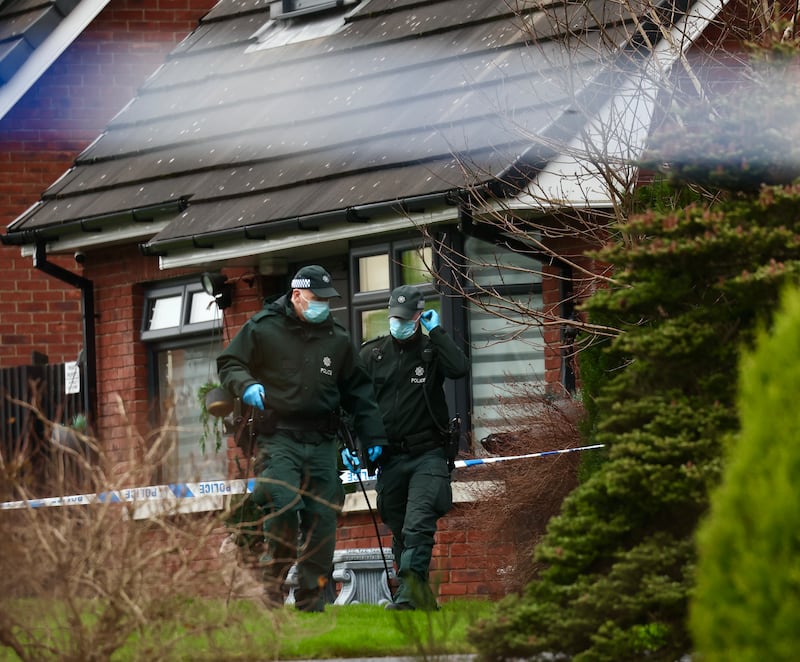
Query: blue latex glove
(374, 452)
(350, 461)
(429, 319)
(254, 396)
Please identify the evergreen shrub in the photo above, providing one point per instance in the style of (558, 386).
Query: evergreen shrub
(746, 605)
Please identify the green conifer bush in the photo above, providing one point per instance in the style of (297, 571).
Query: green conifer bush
(692, 282)
(691, 286)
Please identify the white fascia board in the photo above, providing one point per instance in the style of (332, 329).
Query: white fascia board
(123, 234)
(336, 233)
(581, 175)
(685, 33)
(617, 135)
(48, 52)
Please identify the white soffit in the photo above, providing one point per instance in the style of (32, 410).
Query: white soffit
(48, 52)
(343, 231)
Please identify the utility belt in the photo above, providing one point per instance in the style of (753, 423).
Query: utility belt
(422, 442)
(417, 444)
(269, 421)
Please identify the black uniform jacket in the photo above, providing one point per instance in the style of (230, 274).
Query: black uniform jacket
(307, 370)
(408, 378)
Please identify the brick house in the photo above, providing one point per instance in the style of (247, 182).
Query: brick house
(66, 69)
(284, 133)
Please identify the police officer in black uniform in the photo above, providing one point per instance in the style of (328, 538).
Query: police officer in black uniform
(408, 369)
(296, 366)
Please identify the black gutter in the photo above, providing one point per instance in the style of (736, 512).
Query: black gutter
(93, 224)
(87, 303)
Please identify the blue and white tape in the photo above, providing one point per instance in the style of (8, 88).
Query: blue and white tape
(492, 460)
(351, 477)
(208, 488)
(140, 494)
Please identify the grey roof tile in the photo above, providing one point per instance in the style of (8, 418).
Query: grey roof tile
(409, 99)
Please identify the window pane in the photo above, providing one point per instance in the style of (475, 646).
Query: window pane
(414, 266)
(374, 323)
(203, 308)
(507, 362)
(181, 372)
(373, 273)
(495, 266)
(165, 313)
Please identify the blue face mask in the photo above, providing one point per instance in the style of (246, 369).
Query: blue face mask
(401, 329)
(316, 311)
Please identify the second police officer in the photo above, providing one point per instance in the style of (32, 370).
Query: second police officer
(408, 369)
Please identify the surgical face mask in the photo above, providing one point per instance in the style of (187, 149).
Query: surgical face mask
(402, 329)
(316, 311)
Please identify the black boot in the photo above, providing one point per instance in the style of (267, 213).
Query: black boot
(307, 599)
(400, 606)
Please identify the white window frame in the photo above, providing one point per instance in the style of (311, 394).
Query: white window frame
(186, 291)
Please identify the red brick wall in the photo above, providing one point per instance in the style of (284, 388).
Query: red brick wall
(584, 283)
(40, 138)
(39, 313)
(465, 564)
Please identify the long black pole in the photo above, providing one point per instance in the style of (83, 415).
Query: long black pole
(350, 444)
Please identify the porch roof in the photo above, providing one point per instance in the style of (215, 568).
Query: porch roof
(244, 134)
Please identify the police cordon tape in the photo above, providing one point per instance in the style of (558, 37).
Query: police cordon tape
(350, 477)
(208, 488)
(492, 460)
(141, 494)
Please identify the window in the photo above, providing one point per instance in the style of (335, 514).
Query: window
(182, 325)
(181, 371)
(376, 271)
(295, 21)
(178, 310)
(507, 346)
(373, 273)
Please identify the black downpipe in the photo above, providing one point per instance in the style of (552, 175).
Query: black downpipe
(87, 300)
(568, 332)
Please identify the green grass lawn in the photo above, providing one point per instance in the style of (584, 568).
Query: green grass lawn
(210, 630)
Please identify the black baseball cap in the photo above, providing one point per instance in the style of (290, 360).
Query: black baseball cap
(406, 301)
(317, 279)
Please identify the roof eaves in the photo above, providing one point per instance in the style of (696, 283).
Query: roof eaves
(290, 244)
(93, 224)
(361, 214)
(580, 185)
(646, 43)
